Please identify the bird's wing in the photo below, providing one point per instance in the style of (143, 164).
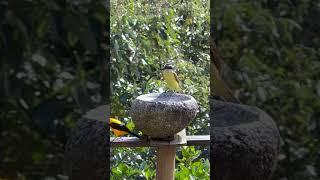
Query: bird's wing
(217, 60)
(220, 88)
(123, 129)
(178, 80)
(176, 77)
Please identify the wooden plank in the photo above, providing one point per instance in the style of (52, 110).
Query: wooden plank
(198, 140)
(179, 139)
(135, 142)
(128, 142)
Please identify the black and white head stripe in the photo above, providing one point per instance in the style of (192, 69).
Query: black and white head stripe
(168, 66)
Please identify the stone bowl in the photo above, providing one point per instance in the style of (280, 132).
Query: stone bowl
(161, 115)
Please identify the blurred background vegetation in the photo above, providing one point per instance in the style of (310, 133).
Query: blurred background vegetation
(145, 35)
(53, 69)
(271, 52)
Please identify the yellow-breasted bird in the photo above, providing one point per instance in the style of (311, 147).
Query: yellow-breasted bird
(218, 86)
(171, 78)
(119, 129)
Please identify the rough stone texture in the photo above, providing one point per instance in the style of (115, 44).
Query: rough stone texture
(87, 152)
(162, 115)
(244, 142)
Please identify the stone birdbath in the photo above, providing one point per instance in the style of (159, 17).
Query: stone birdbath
(245, 141)
(162, 115)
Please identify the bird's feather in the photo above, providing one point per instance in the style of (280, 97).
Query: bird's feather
(177, 79)
(119, 129)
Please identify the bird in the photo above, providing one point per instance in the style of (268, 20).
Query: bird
(171, 78)
(119, 129)
(219, 88)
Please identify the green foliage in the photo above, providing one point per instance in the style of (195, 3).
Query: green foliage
(134, 163)
(52, 70)
(272, 49)
(190, 166)
(145, 35)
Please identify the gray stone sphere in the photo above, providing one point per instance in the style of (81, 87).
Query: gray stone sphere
(161, 115)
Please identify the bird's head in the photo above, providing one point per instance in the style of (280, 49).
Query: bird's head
(168, 67)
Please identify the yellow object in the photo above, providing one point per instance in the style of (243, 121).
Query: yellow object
(219, 87)
(115, 131)
(119, 129)
(171, 78)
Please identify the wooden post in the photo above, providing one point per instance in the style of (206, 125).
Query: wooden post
(166, 162)
(166, 150)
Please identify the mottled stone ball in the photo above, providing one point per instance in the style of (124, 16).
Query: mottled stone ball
(161, 115)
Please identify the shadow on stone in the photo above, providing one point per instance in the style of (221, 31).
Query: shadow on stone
(87, 152)
(244, 142)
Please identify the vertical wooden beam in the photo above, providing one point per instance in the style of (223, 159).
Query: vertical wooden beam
(166, 162)
(166, 150)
